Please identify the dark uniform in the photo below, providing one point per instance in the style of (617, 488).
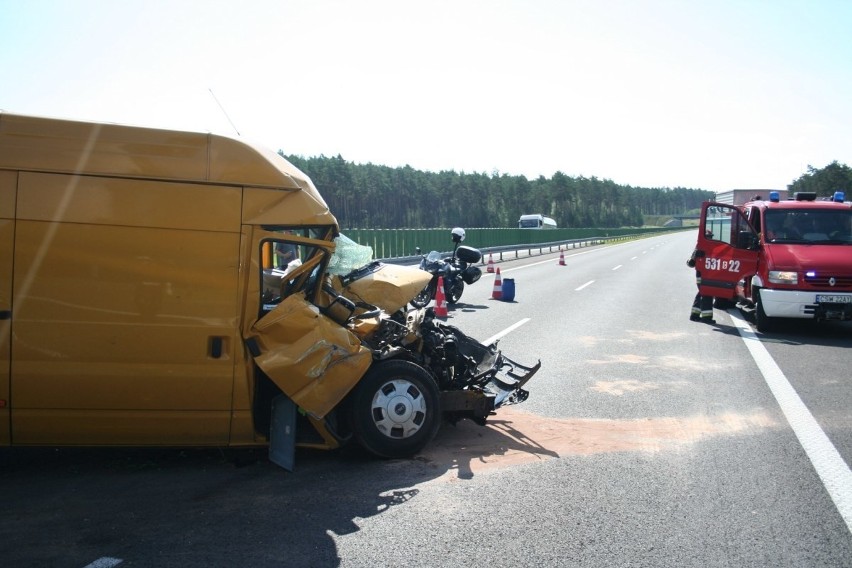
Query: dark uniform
(702, 306)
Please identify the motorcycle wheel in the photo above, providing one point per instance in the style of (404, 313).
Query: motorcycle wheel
(454, 294)
(422, 299)
(395, 409)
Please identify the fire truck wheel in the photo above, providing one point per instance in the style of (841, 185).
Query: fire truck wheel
(395, 409)
(764, 322)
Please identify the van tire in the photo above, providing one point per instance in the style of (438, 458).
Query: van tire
(395, 409)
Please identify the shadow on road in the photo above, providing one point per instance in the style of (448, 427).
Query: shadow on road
(211, 507)
(804, 332)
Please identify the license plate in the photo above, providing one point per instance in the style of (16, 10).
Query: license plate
(833, 299)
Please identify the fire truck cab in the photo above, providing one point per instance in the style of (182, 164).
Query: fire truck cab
(779, 259)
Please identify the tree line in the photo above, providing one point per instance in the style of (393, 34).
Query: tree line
(825, 181)
(383, 197)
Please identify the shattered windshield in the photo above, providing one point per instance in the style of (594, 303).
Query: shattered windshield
(348, 256)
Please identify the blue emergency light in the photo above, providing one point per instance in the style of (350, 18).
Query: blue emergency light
(839, 196)
(774, 196)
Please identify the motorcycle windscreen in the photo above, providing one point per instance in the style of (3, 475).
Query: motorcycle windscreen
(314, 360)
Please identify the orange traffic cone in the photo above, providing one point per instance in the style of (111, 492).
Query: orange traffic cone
(440, 300)
(490, 263)
(497, 294)
(561, 258)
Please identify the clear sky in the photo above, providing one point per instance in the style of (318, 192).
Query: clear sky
(708, 94)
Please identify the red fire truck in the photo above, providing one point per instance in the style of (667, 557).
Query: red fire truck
(779, 259)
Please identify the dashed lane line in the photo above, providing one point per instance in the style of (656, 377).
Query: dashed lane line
(505, 332)
(105, 562)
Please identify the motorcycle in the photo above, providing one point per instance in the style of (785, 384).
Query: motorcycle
(456, 271)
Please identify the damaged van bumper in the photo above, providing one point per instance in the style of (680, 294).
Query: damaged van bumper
(474, 379)
(502, 386)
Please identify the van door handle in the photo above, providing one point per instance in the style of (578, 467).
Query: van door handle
(216, 347)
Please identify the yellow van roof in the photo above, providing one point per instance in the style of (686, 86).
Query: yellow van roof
(87, 148)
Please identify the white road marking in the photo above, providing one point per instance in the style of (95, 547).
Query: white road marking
(829, 465)
(617, 267)
(505, 332)
(583, 286)
(105, 562)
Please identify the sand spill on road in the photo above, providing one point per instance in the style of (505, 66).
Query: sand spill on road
(516, 437)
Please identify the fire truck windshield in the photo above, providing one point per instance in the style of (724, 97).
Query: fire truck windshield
(821, 226)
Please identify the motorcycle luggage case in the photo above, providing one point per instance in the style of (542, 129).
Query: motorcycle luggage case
(471, 274)
(468, 254)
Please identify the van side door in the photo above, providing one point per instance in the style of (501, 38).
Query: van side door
(728, 250)
(125, 315)
(7, 234)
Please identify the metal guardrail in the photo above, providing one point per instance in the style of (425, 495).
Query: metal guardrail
(531, 249)
(396, 243)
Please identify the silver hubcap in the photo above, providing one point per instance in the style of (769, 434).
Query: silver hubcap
(399, 409)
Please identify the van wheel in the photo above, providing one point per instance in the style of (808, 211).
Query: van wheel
(764, 322)
(395, 409)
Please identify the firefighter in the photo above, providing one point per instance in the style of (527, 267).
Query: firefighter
(702, 306)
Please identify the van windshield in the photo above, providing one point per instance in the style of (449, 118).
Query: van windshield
(826, 226)
(348, 256)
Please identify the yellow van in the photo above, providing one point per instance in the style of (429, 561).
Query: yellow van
(173, 288)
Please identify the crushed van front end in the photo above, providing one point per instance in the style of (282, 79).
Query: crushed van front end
(474, 379)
